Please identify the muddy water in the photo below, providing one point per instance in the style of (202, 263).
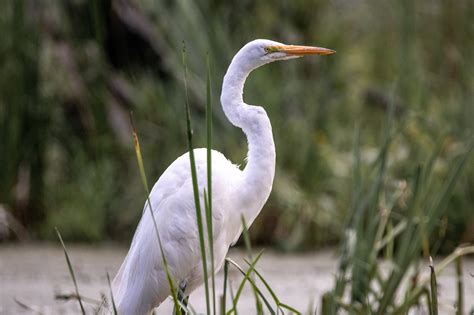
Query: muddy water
(31, 276)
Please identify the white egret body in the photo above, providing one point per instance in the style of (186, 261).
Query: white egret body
(141, 284)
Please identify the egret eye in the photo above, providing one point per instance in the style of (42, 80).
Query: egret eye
(267, 50)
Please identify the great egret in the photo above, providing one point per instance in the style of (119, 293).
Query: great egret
(141, 284)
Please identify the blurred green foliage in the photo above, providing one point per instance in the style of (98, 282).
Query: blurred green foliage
(70, 72)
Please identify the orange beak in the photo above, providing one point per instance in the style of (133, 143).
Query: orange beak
(295, 50)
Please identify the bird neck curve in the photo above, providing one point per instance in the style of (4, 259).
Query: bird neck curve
(254, 122)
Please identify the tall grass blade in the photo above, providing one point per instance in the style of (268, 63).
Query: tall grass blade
(328, 300)
(426, 293)
(71, 271)
(460, 287)
(356, 171)
(328, 305)
(182, 300)
(211, 248)
(195, 184)
(434, 289)
(224, 287)
(265, 283)
(184, 307)
(245, 234)
(141, 167)
(441, 203)
(272, 293)
(232, 297)
(248, 246)
(209, 180)
(111, 295)
(289, 308)
(242, 283)
(27, 307)
(418, 291)
(248, 278)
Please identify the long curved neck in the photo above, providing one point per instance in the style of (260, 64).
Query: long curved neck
(253, 120)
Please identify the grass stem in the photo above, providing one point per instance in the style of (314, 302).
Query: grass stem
(148, 205)
(195, 185)
(210, 235)
(71, 271)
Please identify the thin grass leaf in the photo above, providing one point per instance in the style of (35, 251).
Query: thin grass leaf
(73, 296)
(460, 287)
(434, 289)
(248, 278)
(187, 308)
(391, 235)
(327, 303)
(195, 184)
(270, 290)
(328, 300)
(242, 283)
(252, 283)
(245, 234)
(350, 309)
(427, 295)
(232, 297)
(248, 246)
(211, 247)
(421, 215)
(27, 307)
(184, 306)
(138, 153)
(111, 295)
(418, 291)
(265, 283)
(385, 214)
(209, 181)
(141, 167)
(441, 203)
(356, 172)
(224, 289)
(366, 223)
(404, 254)
(71, 271)
(289, 308)
(429, 167)
(390, 248)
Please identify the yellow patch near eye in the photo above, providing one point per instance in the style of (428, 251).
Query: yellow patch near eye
(270, 49)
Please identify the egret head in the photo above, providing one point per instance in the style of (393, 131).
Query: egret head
(262, 51)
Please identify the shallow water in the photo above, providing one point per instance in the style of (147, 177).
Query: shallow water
(33, 274)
